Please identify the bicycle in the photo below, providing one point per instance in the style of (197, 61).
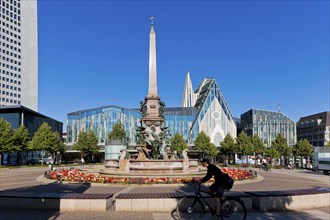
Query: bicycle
(195, 206)
(265, 167)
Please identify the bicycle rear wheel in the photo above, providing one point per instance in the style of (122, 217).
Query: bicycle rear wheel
(233, 209)
(190, 208)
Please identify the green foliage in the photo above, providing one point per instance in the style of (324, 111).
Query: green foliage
(6, 134)
(244, 144)
(273, 153)
(87, 143)
(203, 144)
(118, 132)
(46, 140)
(258, 146)
(327, 145)
(59, 145)
(21, 139)
(281, 145)
(178, 143)
(303, 148)
(227, 145)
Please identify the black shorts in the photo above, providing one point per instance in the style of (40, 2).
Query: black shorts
(217, 190)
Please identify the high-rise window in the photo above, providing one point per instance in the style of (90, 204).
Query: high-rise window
(14, 51)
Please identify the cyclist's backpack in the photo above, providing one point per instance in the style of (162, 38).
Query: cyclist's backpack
(228, 181)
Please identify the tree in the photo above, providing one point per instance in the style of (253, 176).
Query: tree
(86, 144)
(244, 143)
(46, 140)
(203, 144)
(20, 140)
(258, 147)
(57, 146)
(281, 145)
(303, 148)
(178, 143)
(227, 146)
(118, 132)
(273, 153)
(6, 133)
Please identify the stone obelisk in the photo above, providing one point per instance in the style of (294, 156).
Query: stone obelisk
(152, 121)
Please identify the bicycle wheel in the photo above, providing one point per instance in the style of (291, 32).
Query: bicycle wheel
(233, 209)
(190, 208)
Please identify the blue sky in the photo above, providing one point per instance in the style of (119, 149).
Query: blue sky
(261, 53)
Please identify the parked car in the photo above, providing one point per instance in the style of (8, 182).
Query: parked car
(32, 161)
(240, 161)
(46, 161)
(49, 161)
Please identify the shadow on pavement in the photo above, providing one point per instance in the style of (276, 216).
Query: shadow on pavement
(53, 188)
(36, 202)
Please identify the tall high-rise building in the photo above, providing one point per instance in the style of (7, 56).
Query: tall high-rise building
(19, 53)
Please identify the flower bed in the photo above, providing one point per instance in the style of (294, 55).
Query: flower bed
(79, 176)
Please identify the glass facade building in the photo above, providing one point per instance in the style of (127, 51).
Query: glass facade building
(210, 114)
(267, 125)
(100, 120)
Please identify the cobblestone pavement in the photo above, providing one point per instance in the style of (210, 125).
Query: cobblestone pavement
(25, 179)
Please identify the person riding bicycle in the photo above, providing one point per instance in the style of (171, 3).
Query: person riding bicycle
(264, 166)
(217, 187)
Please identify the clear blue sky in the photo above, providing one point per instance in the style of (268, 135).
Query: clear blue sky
(261, 53)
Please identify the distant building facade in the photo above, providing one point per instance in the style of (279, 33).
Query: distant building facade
(315, 128)
(267, 125)
(18, 115)
(210, 114)
(19, 53)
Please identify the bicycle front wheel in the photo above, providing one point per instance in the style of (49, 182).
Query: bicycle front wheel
(189, 208)
(233, 209)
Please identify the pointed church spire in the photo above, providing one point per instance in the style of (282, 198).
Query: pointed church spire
(188, 97)
(152, 91)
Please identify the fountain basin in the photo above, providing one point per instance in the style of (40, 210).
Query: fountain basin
(156, 165)
(149, 167)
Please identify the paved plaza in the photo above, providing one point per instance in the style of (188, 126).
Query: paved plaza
(30, 180)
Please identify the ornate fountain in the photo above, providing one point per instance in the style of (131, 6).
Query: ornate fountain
(153, 153)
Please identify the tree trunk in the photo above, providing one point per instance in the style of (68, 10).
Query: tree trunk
(308, 162)
(18, 158)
